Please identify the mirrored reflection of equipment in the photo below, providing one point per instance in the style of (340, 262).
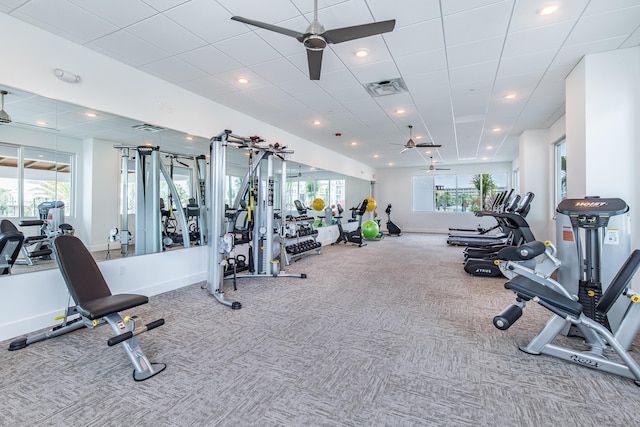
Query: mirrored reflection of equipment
(354, 236)
(10, 244)
(175, 217)
(257, 196)
(50, 225)
(392, 229)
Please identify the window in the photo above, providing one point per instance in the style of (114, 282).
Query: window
(30, 176)
(560, 171)
(332, 191)
(456, 193)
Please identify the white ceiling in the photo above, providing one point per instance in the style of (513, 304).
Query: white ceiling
(458, 58)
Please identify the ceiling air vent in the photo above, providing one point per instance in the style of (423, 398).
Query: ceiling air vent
(147, 127)
(386, 87)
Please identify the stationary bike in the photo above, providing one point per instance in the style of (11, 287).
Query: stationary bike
(392, 229)
(355, 236)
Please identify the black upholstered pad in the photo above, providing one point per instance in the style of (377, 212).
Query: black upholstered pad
(85, 281)
(528, 289)
(523, 252)
(97, 308)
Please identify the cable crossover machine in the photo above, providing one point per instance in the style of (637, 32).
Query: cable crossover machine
(266, 259)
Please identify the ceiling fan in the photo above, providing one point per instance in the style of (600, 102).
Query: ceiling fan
(299, 175)
(411, 144)
(315, 38)
(432, 167)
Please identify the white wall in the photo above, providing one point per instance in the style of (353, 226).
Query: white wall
(535, 171)
(603, 129)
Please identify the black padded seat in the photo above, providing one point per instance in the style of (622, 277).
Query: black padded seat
(528, 289)
(86, 283)
(31, 222)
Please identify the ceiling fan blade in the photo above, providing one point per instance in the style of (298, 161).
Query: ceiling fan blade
(428, 145)
(404, 150)
(314, 58)
(285, 31)
(443, 169)
(339, 35)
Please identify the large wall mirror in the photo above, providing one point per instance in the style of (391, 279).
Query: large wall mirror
(63, 156)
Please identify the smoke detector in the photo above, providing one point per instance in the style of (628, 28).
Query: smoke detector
(386, 87)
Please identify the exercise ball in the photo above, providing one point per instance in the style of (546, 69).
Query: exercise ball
(371, 205)
(370, 229)
(317, 204)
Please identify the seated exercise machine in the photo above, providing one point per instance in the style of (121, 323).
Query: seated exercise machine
(392, 229)
(354, 236)
(96, 305)
(601, 349)
(51, 224)
(10, 244)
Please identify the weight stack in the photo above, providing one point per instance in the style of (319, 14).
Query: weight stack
(589, 295)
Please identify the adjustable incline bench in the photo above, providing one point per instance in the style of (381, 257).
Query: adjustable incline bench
(96, 305)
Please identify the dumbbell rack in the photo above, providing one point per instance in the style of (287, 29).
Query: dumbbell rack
(304, 242)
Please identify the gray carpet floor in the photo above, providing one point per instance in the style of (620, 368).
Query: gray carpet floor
(391, 334)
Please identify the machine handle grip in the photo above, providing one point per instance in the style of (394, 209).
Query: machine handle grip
(130, 334)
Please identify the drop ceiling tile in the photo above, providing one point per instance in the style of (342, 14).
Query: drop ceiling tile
(231, 78)
(120, 13)
(248, 49)
(632, 40)
(374, 45)
(173, 69)
(278, 70)
(285, 45)
(271, 12)
(162, 5)
(416, 38)
(525, 14)
(616, 23)
(132, 49)
(537, 39)
(471, 25)
(411, 12)
(453, 7)
(475, 52)
(211, 87)
(210, 60)
(596, 7)
(166, 35)
(351, 93)
(343, 14)
(421, 63)
(376, 72)
(484, 71)
(64, 18)
(365, 109)
(522, 64)
(198, 15)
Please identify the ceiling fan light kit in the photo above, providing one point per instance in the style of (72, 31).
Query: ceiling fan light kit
(316, 38)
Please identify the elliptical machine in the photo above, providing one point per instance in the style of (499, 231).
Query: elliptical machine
(392, 229)
(354, 236)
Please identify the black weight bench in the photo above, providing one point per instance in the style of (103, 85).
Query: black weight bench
(10, 244)
(96, 305)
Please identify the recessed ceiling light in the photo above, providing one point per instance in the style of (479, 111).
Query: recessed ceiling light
(510, 96)
(354, 143)
(390, 164)
(41, 123)
(548, 9)
(90, 114)
(428, 151)
(489, 147)
(496, 130)
(189, 138)
(375, 156)
(243, 80)
(485, 158)
(316, 122)
(400, 111)
(361, 53)
(419, 137)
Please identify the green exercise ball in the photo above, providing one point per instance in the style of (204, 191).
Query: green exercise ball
(370, 229)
